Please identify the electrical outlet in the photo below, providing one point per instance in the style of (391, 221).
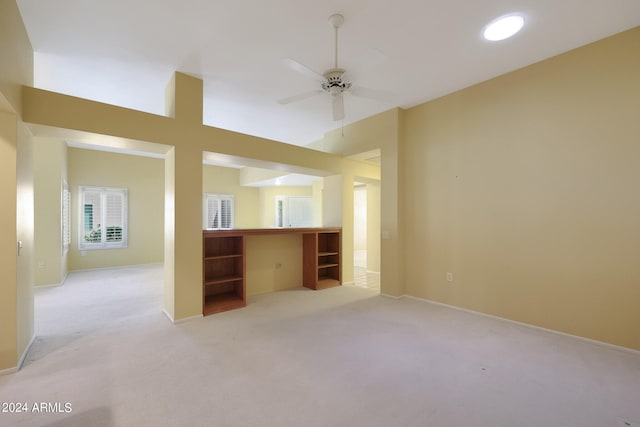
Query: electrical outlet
(41, 264)
(449, 276)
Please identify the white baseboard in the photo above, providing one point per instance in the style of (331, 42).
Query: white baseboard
(166, 313)
(540, 328)
(391, 296)
(186, 319)
(117, 267)
(53, 285)
(48, 285)
(25, 353)
(8, 371)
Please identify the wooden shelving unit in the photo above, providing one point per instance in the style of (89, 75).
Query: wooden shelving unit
(224, 263)
(321, 258)
(223, 273)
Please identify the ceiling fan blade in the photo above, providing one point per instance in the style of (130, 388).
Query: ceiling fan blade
(365, 92)
(299, 97)
(303, 69)
(338, 106)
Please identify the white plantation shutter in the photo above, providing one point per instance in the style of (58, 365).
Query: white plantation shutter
(91, 230)
(294, 211)
(212, 213)
(114, 216)
(218, 211)
(226, 214)
(66, 217)
(299, 211)
(103, 222)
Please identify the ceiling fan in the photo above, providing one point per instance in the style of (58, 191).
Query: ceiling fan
(332, 81)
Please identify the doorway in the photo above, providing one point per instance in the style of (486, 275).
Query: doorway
(366, 244)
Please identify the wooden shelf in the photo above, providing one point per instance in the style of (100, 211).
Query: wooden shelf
(327, 283)
(321, 259)
(225, 279)
(222, 273)
(222, 302)
(327, 265)
(222, 257)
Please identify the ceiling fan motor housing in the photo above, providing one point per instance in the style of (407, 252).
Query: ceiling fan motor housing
(334, 83)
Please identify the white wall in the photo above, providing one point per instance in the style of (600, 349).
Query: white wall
(360, 218)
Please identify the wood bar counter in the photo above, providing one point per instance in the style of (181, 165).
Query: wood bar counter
(224, 263)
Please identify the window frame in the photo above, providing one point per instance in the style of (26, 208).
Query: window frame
(103, 244)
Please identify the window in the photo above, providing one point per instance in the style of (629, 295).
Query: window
(218, 211)
(103, 218)
(294, 211)
(66, 217)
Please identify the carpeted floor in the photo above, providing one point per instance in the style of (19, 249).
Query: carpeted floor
(105, 355)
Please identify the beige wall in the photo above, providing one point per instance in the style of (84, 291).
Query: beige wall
(144, 179)
(16, 243)
(525, 187)
(50, 166)
(16, 57)
(392, 191)
(274, 263)
(268, 201)
(332, 201)
(252, 175)
(359, 137)
(16, 191)
(360, 230)
(317, 189)
(169, 233)
(25, 229)
(373, 227)
(221, 180)
(8, 239)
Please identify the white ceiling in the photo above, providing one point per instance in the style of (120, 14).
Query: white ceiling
(124, 52)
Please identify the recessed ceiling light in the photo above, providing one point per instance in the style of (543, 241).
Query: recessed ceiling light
(503, 27)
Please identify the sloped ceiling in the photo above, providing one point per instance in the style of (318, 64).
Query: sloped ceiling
(123, 52)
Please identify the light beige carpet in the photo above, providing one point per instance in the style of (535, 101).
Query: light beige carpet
(340, 357)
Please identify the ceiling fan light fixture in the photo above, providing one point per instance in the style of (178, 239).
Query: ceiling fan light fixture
(335, 90)
(503, 27)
